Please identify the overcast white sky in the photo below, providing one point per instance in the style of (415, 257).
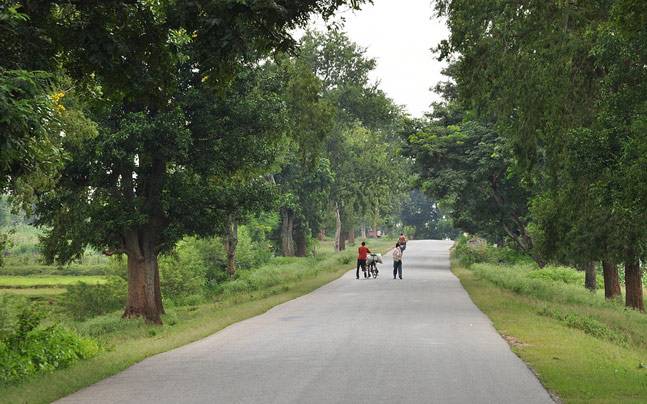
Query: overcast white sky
(400, 35)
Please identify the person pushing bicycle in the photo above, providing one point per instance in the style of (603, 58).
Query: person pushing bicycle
(362, 255)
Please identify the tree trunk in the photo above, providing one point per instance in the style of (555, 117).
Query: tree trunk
(342, 241)
(144, 296)
(525, 244)
(611, 281)
(351, 236)
(287, 227)
(633, 281)
(158, 289)
(322, 235)
(301, 240)
(589, 276)
(375, 227)
(231, 241)
(338, 237)
(363, 231)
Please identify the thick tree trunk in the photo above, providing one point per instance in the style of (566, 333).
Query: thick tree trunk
(611, 281)
(363, 231)
(589, 276)
(375, 228)
(301, 240)
(351, 236)
(144, 296)
(633, 282)
(287, 227)
(338, 237)
(231, 242)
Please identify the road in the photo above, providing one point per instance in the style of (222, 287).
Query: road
(416, 340)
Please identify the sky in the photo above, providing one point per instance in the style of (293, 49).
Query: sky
(399, 34)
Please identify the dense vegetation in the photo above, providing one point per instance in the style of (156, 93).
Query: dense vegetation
(540, 143)
(168, 154)
(163, 157)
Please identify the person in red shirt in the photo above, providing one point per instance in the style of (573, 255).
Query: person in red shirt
(362, 255)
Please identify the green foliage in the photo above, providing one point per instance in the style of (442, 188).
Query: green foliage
(569, 100)
(48, 281)
(31, 349)
(184, 273)
(280, 273)
(471, 250)
(197, 265)
(466, 165)
(251, 253)
(558, 274)
(83, 300)
(588, 324)
(9, 306)
(423, 219)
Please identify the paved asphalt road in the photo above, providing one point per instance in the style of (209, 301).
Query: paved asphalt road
(417, 340)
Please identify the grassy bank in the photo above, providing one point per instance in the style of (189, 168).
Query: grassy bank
(583, 348)
(127, 342)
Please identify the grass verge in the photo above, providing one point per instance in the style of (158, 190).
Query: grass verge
(582, 348)
(128, 342)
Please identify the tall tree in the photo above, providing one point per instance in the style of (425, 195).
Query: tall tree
(565, 86)
(143, 181)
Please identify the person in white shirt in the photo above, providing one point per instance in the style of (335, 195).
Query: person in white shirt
(397, 261)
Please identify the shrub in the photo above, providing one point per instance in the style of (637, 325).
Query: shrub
(30, 349)
(558, 274)
(251, 253)
(196, 264)
(472, 250)
(83, 301)
(184, 272)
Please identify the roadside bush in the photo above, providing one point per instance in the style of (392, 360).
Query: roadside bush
(29, 349)
(184, 272)
(198, 264)
(558, 274)
(472, 250)
(251, 253)
(83, 301)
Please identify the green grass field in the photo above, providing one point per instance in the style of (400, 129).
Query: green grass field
(126, 342)
(583, 349)
(54, 281)
(33, 292)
